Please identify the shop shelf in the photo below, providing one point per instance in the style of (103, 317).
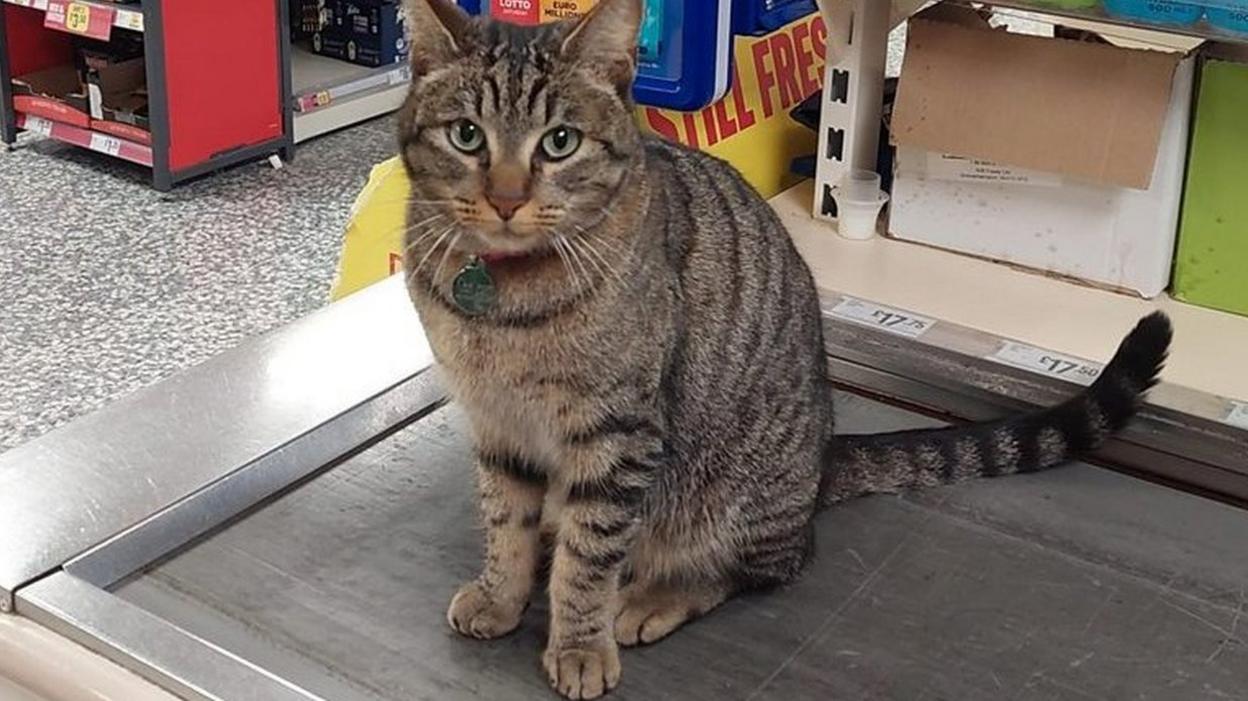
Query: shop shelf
(86, 138)
(1096, 12)
(1022, 305)
(125, 16)
(330, 94)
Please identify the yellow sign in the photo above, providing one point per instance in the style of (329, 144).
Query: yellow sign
(555, 10)
(78, 18)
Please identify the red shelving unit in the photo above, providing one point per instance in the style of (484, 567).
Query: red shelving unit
(217, 71)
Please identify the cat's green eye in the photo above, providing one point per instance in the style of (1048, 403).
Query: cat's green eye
(560, 142)
(466, 136)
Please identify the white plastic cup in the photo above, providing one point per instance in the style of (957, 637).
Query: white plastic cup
(861, 185)
(858, 203)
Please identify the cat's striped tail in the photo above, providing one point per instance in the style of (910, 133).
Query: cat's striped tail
(863, 464)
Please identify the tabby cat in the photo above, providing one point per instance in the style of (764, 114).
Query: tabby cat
(637, 345)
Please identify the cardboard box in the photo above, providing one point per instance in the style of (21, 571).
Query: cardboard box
(117, 99)
(1211, 267)
(367, 32)
(1062, 155)
(54, 93)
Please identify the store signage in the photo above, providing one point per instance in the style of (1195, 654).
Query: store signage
(516, 11)
(94, 21)
(770, 75)
(1047, 362)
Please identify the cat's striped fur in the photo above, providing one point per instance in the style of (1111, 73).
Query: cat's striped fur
(650, 388)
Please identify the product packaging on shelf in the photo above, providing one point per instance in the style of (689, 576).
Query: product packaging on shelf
(117, 100)
(55, 93)
(367, 32)
(684, 47)
(1059, 155)
(749, 127)
(1211, 266)
(104, 89)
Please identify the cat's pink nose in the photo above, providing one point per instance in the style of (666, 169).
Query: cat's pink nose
(505, 205)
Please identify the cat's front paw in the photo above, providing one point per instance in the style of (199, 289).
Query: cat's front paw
(476, 613)
(583, 671)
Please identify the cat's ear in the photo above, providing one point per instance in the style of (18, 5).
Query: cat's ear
(607, 37)
(439, 32)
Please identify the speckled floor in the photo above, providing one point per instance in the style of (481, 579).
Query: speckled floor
(107, 285)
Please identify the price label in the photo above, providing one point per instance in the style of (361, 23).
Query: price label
(1238, 415)
(38, 125)
(1046, 362)
(884, 318)
(105, 144)
(78, 18)
(94, 21)
(130, 20)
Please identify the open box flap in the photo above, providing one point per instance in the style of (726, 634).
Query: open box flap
(1084, 109)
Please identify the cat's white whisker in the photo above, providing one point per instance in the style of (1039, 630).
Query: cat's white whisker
(595, 254)
(592, 261)
(563, 256)
(441, 237)
(433, 281)
(576, 256)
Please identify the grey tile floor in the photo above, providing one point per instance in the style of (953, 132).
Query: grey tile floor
(107, 285)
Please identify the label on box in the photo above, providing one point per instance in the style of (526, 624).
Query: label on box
(1238, 415)
(105, 144)
(943, 166)
(95, 99)
(516, 11)
(1046, 362)
(38, 125)
(883, 318)
(94, 21)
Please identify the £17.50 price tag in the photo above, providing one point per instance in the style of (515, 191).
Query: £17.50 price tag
(884, 318)
(1021, 355)
(1238, 415)
(37, 125)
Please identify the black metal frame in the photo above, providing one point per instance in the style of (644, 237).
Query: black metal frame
(158, 96)
(8, 120)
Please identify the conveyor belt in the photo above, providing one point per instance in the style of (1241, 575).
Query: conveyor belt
(1053, 585)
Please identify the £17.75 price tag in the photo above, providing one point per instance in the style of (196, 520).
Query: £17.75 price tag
(884, 318)
(105, 144)
(1046, 362)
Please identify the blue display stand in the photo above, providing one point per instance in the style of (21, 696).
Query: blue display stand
(755, 17)
(681, 65)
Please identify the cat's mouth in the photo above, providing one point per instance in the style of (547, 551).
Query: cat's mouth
(515, 260)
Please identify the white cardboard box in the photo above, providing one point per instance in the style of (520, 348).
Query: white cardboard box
(1071, 225)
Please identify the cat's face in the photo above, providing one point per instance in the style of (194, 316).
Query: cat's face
(514, 136)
